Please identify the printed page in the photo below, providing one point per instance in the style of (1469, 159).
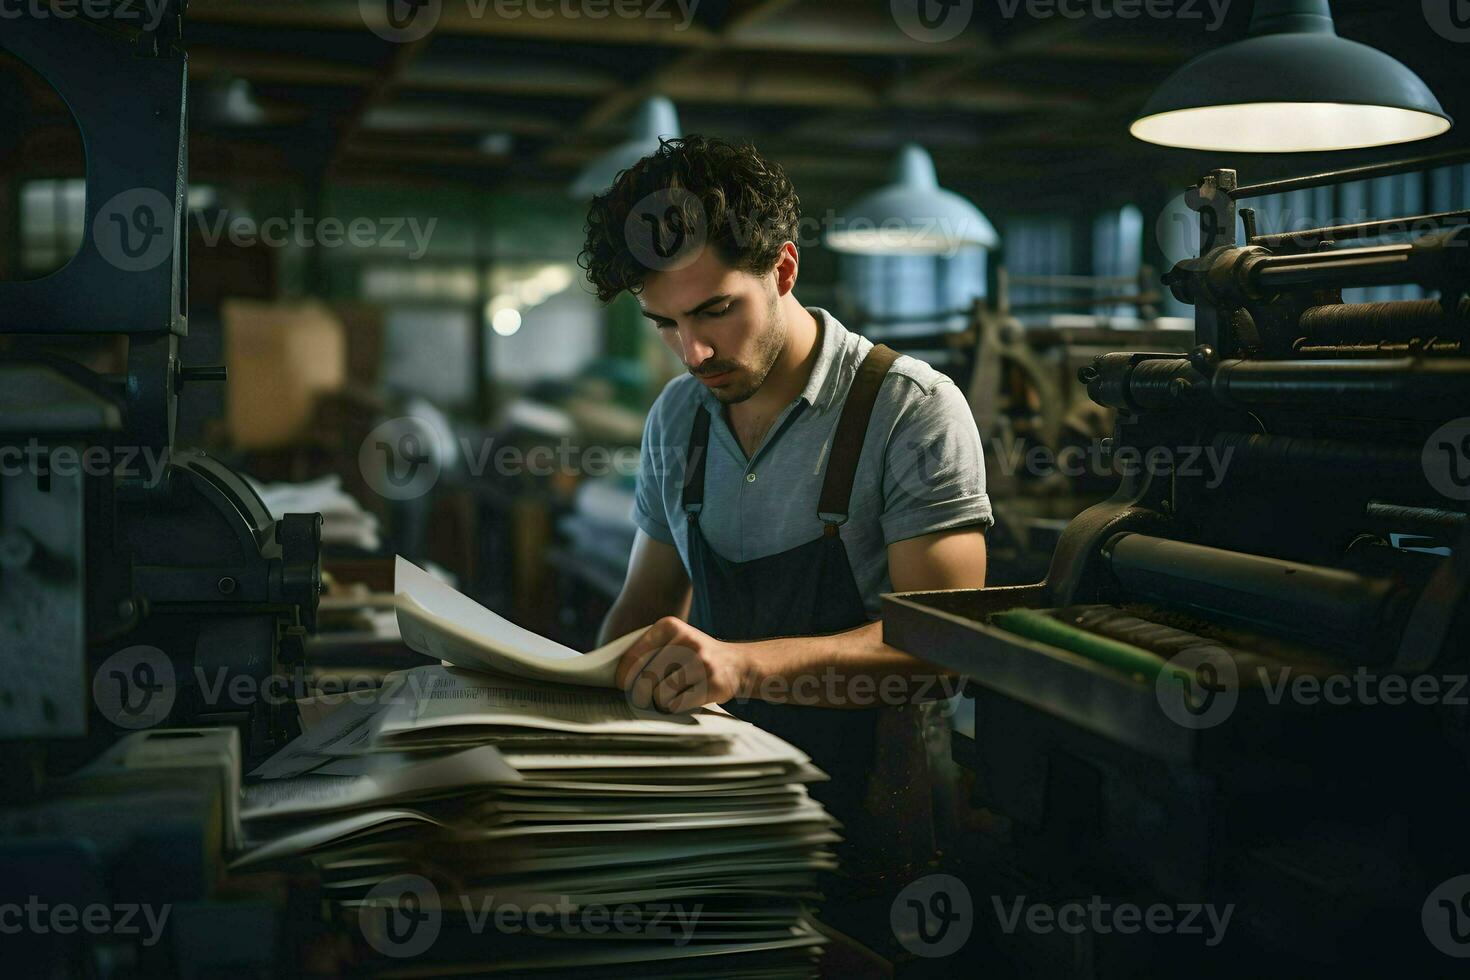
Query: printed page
(435, 699)
(389, 781)
(439, 622)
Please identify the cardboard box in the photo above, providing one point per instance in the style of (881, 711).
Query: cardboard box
(281, 357)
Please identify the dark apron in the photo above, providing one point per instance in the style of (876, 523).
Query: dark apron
(810, 590)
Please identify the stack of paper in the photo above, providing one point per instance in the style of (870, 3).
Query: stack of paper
(538, 827)
(344, 521)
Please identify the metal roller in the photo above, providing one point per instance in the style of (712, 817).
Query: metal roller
(1399, 320)
(1400, 387)
(1324, 607)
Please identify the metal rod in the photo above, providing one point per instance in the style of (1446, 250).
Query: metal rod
(1432, 518)
(1074, 282)
(1362, 229)
(1134, 299)
(1354, 173)
(1344, 609)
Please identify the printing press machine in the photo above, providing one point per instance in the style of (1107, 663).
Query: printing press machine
(142, 586)
(1132, 738)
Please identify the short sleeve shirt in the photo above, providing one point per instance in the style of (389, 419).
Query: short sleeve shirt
(921, 469)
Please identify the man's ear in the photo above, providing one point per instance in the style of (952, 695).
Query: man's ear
(786, 264)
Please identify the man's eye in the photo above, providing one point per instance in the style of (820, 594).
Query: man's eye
(720, 312)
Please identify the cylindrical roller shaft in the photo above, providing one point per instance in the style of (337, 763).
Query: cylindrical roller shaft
(1327, 607)
(1400, 320)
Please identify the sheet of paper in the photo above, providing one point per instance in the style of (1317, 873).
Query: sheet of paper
(348, 728)
(438, 700)
(750, 747)
(440, 622)
(303, 839)
(457, 772)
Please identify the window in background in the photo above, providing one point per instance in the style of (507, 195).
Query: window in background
(1401, 195)
(409, 283)
(429, 323)
(426, 352)
(1038, 246)
(539, 326)
(917, 294)
(53, 220)
(1396, 196)
(1117, 253)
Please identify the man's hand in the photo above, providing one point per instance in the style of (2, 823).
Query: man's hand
(674, 667)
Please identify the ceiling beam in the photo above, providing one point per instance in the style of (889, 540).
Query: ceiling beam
(264, 66)
(399, 59)
(825, 27)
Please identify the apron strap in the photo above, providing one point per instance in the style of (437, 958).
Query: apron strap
(852, 427)
(694, 477)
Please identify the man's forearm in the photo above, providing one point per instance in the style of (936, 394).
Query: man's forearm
(855, 669)
(625, 617)
(620, 619)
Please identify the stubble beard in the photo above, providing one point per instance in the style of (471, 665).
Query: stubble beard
(769, 345)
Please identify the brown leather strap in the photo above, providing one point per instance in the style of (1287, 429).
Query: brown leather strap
(694, 463)
(852, 427)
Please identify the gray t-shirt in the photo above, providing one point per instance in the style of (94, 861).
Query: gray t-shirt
(921, 470)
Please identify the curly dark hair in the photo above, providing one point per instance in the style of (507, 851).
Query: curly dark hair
(697, 191)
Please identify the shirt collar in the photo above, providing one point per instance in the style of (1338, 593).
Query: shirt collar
(821, 387)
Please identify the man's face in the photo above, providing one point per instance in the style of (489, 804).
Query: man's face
(724, 324)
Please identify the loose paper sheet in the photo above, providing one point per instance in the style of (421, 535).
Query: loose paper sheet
(439, 622)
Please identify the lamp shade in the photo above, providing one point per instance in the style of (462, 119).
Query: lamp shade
(656, 119)
(913, 215)
(1292, 86)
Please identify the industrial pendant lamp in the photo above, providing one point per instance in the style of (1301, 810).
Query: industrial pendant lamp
(1292, 86)
(655, 118)
(913, 215)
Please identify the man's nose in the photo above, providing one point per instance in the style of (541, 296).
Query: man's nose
(696, 351)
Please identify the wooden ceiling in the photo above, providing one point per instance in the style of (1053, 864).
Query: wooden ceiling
(523, 93)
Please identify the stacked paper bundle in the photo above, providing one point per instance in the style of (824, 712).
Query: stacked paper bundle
(469, 821)
(344, 521)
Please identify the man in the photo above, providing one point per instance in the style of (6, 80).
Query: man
(791, 477)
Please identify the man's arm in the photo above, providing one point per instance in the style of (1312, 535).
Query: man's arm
(656, 586)
(676, 667)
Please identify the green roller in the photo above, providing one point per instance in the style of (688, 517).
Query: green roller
(1120, 656)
